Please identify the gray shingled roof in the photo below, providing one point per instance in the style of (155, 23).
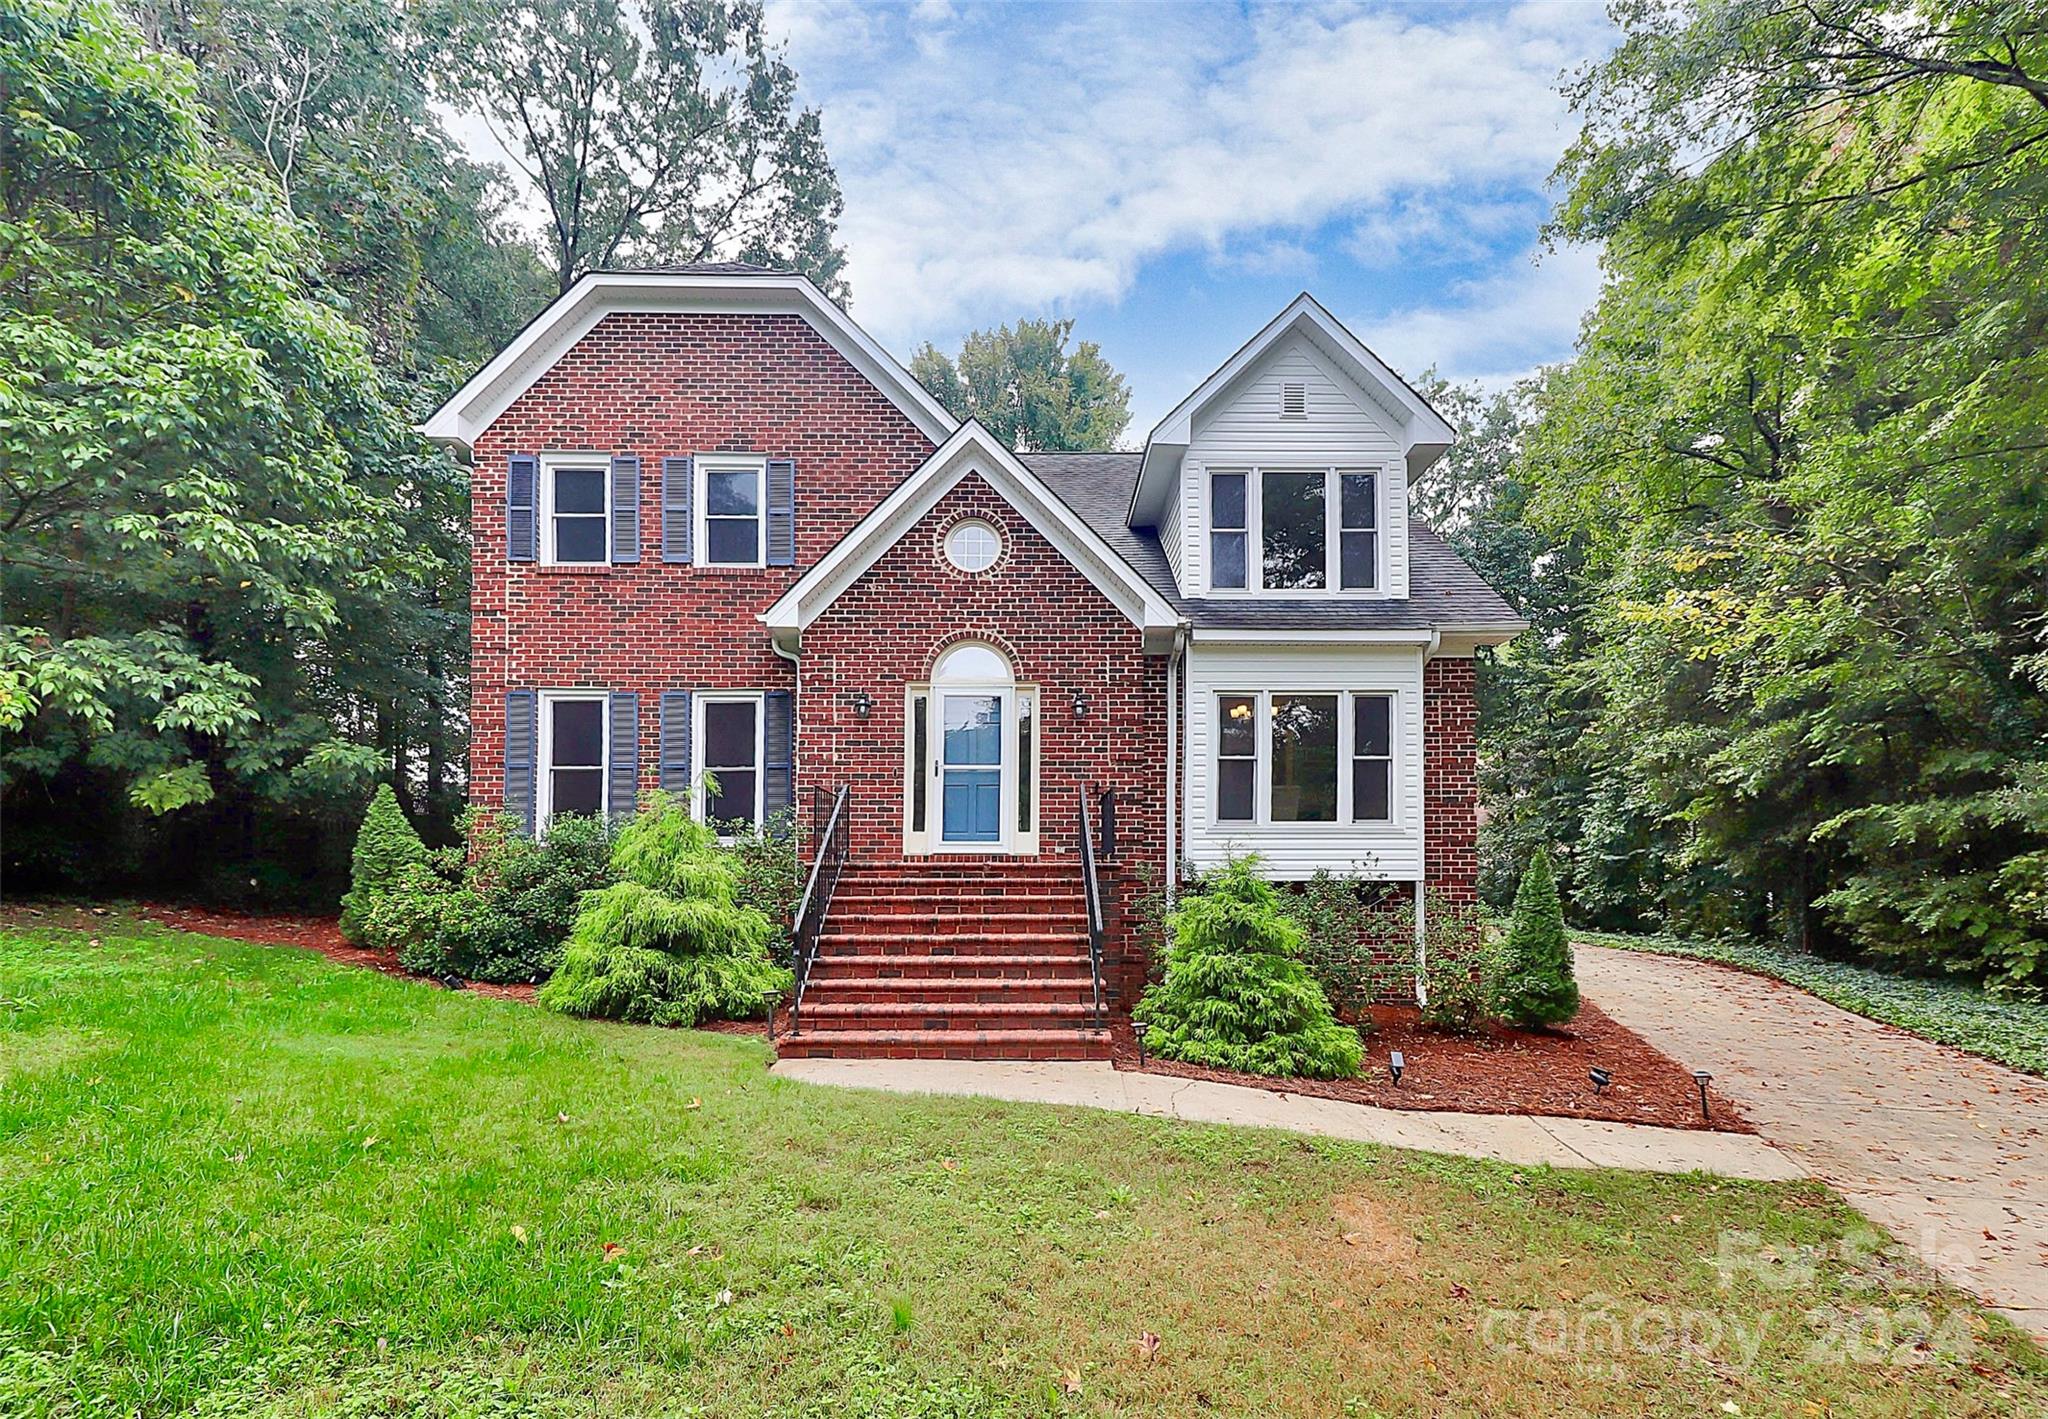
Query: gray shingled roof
(1442, 589)
(702, 268)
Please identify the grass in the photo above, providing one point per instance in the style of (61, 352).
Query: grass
(2012, 1032)
(238, 1180)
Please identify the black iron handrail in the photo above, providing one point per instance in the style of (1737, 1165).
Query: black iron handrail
(1092, 889)
(810, 913)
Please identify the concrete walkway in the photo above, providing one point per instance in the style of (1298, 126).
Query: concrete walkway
(1946, 1151)
(1560, 1142)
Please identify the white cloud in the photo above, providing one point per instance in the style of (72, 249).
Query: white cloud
(984, 178)
(1495, 329)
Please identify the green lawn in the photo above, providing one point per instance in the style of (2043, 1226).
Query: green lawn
(2012, 1032)
(237, 1179)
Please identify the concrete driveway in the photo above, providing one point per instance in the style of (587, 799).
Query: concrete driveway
(1946, 1151)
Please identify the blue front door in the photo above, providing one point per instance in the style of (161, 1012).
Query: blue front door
(971, 768)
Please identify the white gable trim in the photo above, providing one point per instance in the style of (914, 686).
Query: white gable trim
(972, 449)
(1424, 434)
(573, 314)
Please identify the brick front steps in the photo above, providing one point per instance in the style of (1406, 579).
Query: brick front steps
(983, 959)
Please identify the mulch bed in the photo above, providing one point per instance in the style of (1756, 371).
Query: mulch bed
(1505, 1071)
(315, 933)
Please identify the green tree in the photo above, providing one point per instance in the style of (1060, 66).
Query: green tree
(653, 130)
(1236, 995)
(1028, 389)
(386, 846)
(1533, 980)
(1802, 445)
(204, 520)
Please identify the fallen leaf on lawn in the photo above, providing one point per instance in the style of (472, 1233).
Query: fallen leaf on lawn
(1337, 1303)
(1729, 1406)
(1460, 1291)
(951, 1165)
(1100, 1213)
(612, 1249)
(561, 1118)
(694, 1104)
(372, 1141)
(1677, 1217)
(519, 1234)
(1148, 1346)
(1352, 1239)
(1070, 1381)
(788, 1331)
(725, 1298)
(697, 1250)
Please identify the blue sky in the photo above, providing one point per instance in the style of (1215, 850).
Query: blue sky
(1171, 174)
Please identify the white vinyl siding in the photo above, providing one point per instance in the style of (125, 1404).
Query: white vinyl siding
(1292, 850)
(1343, 427)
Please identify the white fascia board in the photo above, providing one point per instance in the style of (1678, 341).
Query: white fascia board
(1252, 635)
(1424, 431)
(971, 449)
(573, 314)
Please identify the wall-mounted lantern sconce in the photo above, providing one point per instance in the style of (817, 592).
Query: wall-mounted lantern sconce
(863, 704)
(1080, 704)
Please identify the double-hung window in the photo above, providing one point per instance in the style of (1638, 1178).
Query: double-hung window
(730, 733)
(572, 736)
(576, 508)
(1294, 530)
(1285, 756)
(730, 494)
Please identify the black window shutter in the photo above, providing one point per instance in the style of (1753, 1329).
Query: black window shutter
(778, 732)
(623, 758)
(675, 741)
(625, 509)
(522, 712)
(781, 512)
(676, 476)
(522, 485)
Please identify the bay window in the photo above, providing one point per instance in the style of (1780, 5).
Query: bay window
(1287, 757)
(1294, 530)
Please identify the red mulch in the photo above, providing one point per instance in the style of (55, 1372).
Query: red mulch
(315, 933)
(1505, 1071)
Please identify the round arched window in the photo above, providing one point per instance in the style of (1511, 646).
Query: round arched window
(971, 662)
(973, 545)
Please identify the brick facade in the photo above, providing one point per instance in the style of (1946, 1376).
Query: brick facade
(1450, 777)
(659, 385)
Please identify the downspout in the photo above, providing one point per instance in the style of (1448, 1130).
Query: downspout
(1436, 639)
(1173, 761)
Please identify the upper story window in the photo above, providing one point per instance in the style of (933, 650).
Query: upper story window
(576, 510)
(1294, 529)
(730, 530)
(973, 545)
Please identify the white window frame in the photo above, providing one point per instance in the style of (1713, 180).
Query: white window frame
(703, 700)
(544, 783)
(973, 524)
(1333, 531)
(1015, 840)
(705, 465)
(1262, 770)
(553, 463)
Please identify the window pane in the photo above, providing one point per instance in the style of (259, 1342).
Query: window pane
(1370, 790)
(973, 730)
(733, 540)
(1226, 500)
(1304, 758)
(1361, 557)
(734, 801)
(1361, 507)
(1025, 726)
(578, 734)
(1234, 790)
(576, 791)
(1226, 560)
(732, 493)
(579, 539)
(1292, 531)
(920, 760)
(579, 490)
(1236, 717)
(729, 734)
(1372, 725)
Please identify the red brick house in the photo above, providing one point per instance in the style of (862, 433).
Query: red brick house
(720, 532)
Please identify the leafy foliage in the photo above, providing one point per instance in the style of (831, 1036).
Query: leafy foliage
(668, 944)
(1533, 982)
(386, 846)
(653, 130)
(503, 910)
(1236, 996)
(1028, 389)
(1358, 939)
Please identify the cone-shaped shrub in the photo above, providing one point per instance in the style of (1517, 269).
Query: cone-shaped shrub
(386, 846)
(1535, 985)
(667, 944)
(1236, 996)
